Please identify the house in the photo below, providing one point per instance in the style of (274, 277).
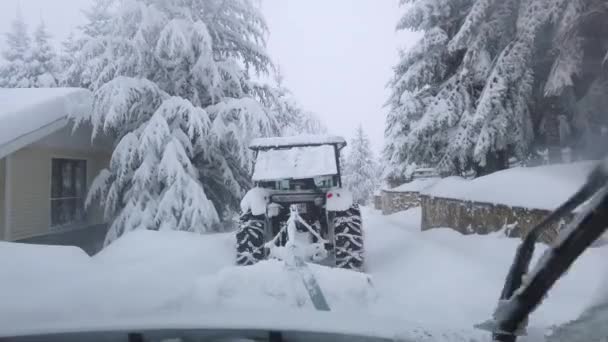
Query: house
(46, 167)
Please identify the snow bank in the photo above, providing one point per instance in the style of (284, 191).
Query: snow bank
(296, 140)
(426, 286)
(167, 272)
(416, 185)
(142, 272)
(542, 187)
(23, 110)
(441, 276)
(26, 263)
(295, 163)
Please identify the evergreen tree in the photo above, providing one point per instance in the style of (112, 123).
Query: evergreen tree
(427, 97)
(360, 171)
(43, 64)
(151, 182)
(500, 124)
(69, 50)
(99, 18)
(172, 84)
(14, 73)
(484, 85)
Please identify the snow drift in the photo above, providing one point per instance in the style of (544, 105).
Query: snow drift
(542, 187)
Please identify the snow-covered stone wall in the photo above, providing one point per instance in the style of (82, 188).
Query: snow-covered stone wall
(395, 201)
(404, 196)
(470, 217)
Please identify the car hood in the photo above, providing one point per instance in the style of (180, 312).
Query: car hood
(301, 325)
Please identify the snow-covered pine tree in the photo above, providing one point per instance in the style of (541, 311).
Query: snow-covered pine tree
(489, 102)
(43, 64)
(426, 97)
(151, 182)
(361, 171)
(98, 18)
(501, 124)
(69, 49)
(201, 52)
(15, 73)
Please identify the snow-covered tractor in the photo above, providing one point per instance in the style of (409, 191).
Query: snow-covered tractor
(298, 200)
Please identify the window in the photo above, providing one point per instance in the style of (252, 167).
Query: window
(68, 183)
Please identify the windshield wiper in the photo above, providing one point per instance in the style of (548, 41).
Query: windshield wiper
(518, 297)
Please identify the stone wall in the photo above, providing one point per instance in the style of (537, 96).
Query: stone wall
(469, 217)
(393, 201)
(378, 202)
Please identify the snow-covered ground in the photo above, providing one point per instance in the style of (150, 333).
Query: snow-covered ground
(436, 280)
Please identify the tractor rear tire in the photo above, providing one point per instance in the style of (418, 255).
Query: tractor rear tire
(348, 238)
(250, 239)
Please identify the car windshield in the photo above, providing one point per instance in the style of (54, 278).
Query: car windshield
(419, 170)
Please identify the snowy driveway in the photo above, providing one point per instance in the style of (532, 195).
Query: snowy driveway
(438, 279)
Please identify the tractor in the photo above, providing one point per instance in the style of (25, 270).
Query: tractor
(298, 199)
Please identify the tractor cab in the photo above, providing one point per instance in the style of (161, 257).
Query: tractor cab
(297, 163)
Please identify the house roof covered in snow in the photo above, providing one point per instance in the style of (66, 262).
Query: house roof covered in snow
(297, 140)
(29, 114)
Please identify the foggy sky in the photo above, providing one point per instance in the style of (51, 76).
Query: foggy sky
(336, 55)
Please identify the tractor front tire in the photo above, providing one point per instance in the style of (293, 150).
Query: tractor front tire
(348, 238)
(250, 239)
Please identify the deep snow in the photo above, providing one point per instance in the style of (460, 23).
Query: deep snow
(541, 187)
(436, 281)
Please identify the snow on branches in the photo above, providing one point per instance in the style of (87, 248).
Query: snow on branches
(151, 182)
(172, 84)
(475, 79)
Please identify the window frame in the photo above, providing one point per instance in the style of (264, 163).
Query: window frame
(77, 223)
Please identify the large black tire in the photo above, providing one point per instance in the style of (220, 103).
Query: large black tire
(250, 239)
(348, 238)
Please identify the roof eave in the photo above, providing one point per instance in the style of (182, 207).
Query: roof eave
(31, 137)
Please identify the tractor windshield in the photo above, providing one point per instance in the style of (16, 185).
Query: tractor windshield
(295, 163)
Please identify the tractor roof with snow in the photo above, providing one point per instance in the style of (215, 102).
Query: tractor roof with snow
(296, 158)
